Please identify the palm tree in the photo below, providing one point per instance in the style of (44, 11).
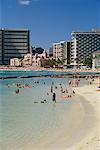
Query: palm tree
(61, 62)
(88, 62)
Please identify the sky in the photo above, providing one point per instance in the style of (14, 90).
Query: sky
(50, 21)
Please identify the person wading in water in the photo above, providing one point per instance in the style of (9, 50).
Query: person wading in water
(54, 97)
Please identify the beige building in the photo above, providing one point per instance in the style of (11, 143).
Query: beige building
(33, 60)
(27, 61)
(60, 51)
(15, 62)
(36, 61)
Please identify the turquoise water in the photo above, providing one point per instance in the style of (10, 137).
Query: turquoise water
(39, 73)
(28, 73)
(24, 122)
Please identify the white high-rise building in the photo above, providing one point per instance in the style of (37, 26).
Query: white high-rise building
(96, 60)
(60, 51)
(83, 45)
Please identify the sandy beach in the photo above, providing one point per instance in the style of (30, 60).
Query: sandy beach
(92, 96)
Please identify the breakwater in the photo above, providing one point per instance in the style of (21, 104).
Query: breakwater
(52, 74)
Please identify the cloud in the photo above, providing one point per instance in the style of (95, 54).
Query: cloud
(24, 2)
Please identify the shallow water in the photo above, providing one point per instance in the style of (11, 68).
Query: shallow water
(24, 122)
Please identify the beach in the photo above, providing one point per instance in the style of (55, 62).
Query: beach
(71, 124)
(92, 96)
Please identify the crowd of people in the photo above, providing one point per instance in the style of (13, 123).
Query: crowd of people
(66, 91)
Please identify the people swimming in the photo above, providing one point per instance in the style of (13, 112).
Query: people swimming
(17, 91)
(51, 88)
(76, 83)
(70, 83)
(61, 89)
(47, 93)
(66, 90)
(55, 87)
(73, 92)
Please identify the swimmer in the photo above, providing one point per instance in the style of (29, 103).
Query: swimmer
(45, 100)
(51, 89)
(73, 92)
(55, 87)
(47, 93)
(70, 82)
(42, 101)
(66, 90)
(17, 91)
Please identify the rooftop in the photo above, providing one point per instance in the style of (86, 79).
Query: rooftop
(13, 29)
(93, 31)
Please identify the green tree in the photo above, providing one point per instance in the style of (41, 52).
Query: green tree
(88, 62)
(46, 63)
(60, 62)
(37, 50)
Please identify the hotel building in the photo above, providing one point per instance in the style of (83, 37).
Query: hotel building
(61, 51)
(51, 52)
(14, 43)
(96, 60)
(83, 45)
(0, 47)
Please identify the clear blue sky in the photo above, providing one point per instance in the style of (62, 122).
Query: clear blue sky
(50, 20)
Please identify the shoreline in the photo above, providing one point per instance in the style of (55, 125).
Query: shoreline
(82, 127)
(45, 69)
(91, 141)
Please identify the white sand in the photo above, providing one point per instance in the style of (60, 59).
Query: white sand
(92, 141)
